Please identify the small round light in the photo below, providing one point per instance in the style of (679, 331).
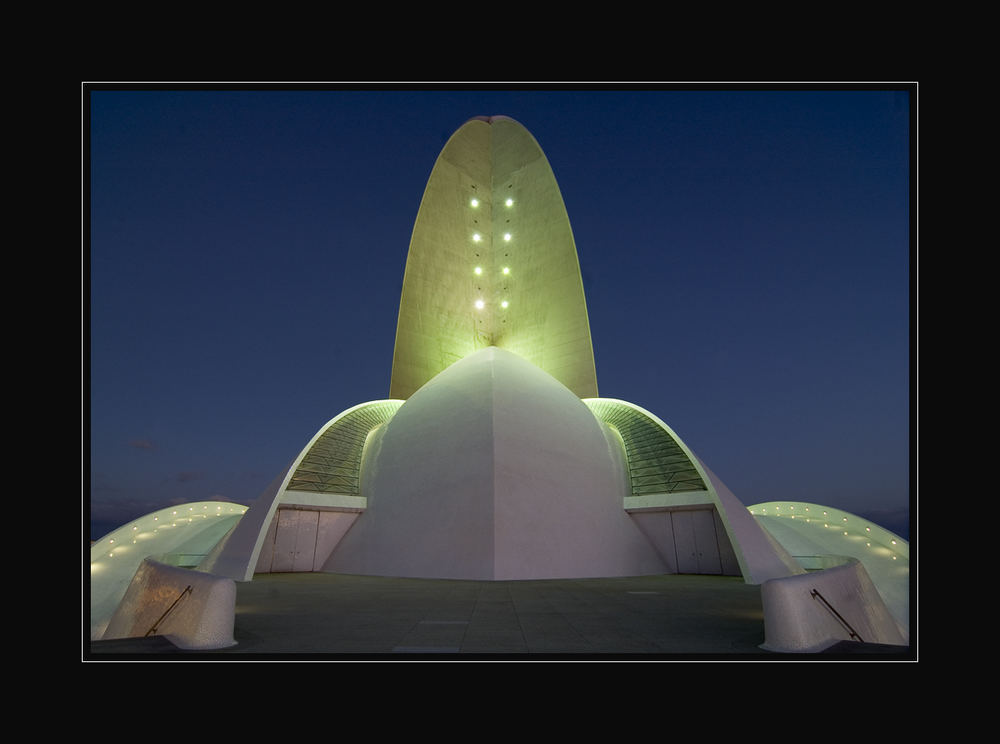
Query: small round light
(504, 304)
(478, 270)
(474, 202)
(506, 236)
(506, 270)
(480, 304)
(476, 237)
(509, 202)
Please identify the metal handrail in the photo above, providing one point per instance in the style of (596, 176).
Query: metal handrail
(816, 595)
(156, 625)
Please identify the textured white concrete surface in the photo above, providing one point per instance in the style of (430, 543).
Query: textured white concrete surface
(816, 534)
(176, 534)
(194, 610)
(798, 621)
(494, 470)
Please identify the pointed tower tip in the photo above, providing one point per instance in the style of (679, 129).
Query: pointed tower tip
(492, 262)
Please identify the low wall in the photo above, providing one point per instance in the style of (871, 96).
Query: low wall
(202, 607)
(797, 621)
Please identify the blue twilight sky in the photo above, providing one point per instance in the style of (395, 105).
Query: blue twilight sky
(746, 256)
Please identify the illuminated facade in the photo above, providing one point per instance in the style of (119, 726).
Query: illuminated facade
(494, 457)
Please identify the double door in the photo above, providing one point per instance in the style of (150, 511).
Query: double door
(295, 540)
(696, 542)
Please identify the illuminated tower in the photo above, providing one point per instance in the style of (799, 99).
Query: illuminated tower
(494, 458)
(492, 262)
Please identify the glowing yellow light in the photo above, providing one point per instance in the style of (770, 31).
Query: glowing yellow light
(506, 236)
(506, 270)
(480, 304)
(476, 237)
(893, 542)
(474, 202)
(504, 304)
(509, 202)
(478, 270)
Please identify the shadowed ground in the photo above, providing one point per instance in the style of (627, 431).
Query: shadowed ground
(313, 613)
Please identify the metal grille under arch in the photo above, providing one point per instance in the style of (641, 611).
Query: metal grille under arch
(333, 462)
(656, 461)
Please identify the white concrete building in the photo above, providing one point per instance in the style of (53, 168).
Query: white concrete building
(494, 457)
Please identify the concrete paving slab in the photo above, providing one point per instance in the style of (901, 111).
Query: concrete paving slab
(333, 614)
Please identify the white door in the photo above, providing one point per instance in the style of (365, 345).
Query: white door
(696, 542)
(295, 541)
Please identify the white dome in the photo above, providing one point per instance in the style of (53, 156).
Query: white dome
(494, 470)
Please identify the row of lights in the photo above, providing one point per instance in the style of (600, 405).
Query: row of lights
(825, 524)
(476, 238)
(508, 202)
(478, 271)
(135, 527)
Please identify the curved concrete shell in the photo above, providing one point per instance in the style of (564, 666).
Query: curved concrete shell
(322, 478)
(820, 537)
(492, 262)
(494, 470)
(179, 535)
